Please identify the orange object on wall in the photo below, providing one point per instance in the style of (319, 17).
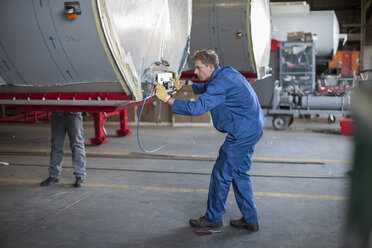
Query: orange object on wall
(349, 59)
(337, 58)
(346, 59)
(355, 61)
(71, 16)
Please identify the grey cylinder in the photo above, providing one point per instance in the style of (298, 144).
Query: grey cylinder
(239, 31)
(326, 102)
(109, 42)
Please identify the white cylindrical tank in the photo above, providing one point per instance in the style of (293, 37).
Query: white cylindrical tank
(107, 43)
(239, 31)
(296, 17)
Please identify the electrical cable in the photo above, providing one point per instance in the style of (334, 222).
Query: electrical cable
(152, 93)
(138, 125)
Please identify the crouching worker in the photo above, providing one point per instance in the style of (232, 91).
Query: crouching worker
(236, 111)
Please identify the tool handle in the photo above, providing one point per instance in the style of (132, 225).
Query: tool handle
(203, 232)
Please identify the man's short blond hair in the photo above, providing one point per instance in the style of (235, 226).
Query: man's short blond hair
(207, 57)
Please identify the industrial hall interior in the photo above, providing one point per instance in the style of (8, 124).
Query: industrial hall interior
(186, 123)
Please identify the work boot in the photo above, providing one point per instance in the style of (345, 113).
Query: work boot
(204, 223)
(240, 223)
(79, 182)
(49, 181)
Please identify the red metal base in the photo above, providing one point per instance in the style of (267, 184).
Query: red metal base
(70, 101)
(100, 104)
(123, 131)
(99, 120)
(25, 117)
(96, 141)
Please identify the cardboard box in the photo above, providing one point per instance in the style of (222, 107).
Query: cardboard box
(296, 36)
(308, 36)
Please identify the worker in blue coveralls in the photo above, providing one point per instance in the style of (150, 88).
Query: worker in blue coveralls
(236, 111)
(72, 124)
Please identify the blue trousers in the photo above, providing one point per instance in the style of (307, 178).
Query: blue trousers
(72, 124)
(232, 165)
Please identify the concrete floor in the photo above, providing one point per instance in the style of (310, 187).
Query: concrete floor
(299, 177)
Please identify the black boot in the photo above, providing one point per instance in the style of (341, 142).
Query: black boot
(49, 181)
(240, 223)
(203, 223)
(79, 182)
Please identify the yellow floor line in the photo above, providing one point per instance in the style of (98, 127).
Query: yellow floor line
(29, 150)
(177, 156)
(182, 190)
(90, 127)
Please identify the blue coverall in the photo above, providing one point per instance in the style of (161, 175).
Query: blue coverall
(72, 124)
(236, 111)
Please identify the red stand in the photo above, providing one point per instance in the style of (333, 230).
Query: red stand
(123, 131)
(99, 120)
(98, 129)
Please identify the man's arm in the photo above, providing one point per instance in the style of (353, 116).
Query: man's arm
(207, 101)
(189, 88)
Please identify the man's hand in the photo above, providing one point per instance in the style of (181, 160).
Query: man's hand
(176, 82)
(161, 93)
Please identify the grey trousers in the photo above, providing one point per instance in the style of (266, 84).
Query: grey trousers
(72, 124)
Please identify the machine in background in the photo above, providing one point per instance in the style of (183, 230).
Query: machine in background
(298, 93)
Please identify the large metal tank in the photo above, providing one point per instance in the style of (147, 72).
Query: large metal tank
(109, 45)
(239, 31)
(296, 16)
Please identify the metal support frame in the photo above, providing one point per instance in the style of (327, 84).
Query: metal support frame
(99, 138)
(101, 105)
(123, 131)
(309, 70)
(283, 114)
(99, 120)
(25, 117)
